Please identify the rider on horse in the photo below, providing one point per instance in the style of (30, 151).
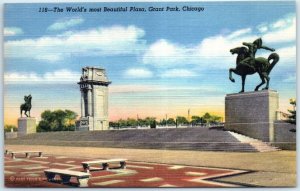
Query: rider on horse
(26, 106)
(26, 98)
(252, 48)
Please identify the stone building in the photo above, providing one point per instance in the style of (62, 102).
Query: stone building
(94, 100)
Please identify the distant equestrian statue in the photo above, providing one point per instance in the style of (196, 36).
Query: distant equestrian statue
(247, 64)
(26, 106)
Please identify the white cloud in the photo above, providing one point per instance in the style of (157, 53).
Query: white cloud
(59, 76)
(175, 73)
(290, 79)
(164, 53)
(12, 31)
(213, 51)
(99, 41)
(279, 24)
(239, 33)
(287, 52)
(287, 55)
(217, 47)
(262, 28)
(138, 73)
(282, 30)
(287, 34)
(65, 24)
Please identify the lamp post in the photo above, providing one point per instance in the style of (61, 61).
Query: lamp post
(188, 117)
(137, 118)
(166, 120)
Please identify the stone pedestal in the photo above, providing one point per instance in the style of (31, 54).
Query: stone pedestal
(252, 113)
(84, 124)
(91, 124)
(26, 125)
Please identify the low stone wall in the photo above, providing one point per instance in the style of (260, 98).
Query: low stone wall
(284, 137)
(11, 135)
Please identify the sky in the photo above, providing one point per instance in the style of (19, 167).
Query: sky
(160, 63)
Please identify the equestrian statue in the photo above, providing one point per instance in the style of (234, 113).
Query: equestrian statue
(247, 64)
(26, 106)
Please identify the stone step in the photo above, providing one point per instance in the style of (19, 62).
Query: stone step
(238, 147)
(259, 145)
(200, 139)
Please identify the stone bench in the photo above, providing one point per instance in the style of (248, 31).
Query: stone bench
(105, 163)
(65, 176)
(27, 153)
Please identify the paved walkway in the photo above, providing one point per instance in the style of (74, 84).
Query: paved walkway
(270, 168)
(29, 172)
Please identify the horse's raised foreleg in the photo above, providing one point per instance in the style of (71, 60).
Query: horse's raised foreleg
(21, 111)
(243, 83)
(263, 81)
(26, 113)
(230, 74)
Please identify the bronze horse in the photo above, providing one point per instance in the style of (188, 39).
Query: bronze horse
(262, 66)
(26, 106)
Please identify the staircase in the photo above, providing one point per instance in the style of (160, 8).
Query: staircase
(199, 139)
(259, 145)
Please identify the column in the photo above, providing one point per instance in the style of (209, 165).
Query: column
(89, 94)
(94, 98)
(82, 104)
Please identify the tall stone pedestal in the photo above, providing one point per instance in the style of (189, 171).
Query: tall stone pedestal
(94, 100)
(26, 125)
(252, 113)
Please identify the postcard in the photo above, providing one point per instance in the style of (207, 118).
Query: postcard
(150, 94)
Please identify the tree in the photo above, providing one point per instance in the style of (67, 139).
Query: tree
(141, 122)
(153, 124)
(171, 121)
(8, 128)
(181, 120)
(57, 120)
(208, 118)
(196, 120)
(292, 117)
(150, 121)
(131, 122)
(113, 124)
(163, 122)
(70, 119)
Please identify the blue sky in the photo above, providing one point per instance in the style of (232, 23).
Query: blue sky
(159, 62)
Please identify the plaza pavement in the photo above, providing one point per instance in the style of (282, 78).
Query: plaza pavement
(268, 169)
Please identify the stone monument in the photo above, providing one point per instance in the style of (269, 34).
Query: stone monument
(252, 113)
(26, 125)
(94, 100)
